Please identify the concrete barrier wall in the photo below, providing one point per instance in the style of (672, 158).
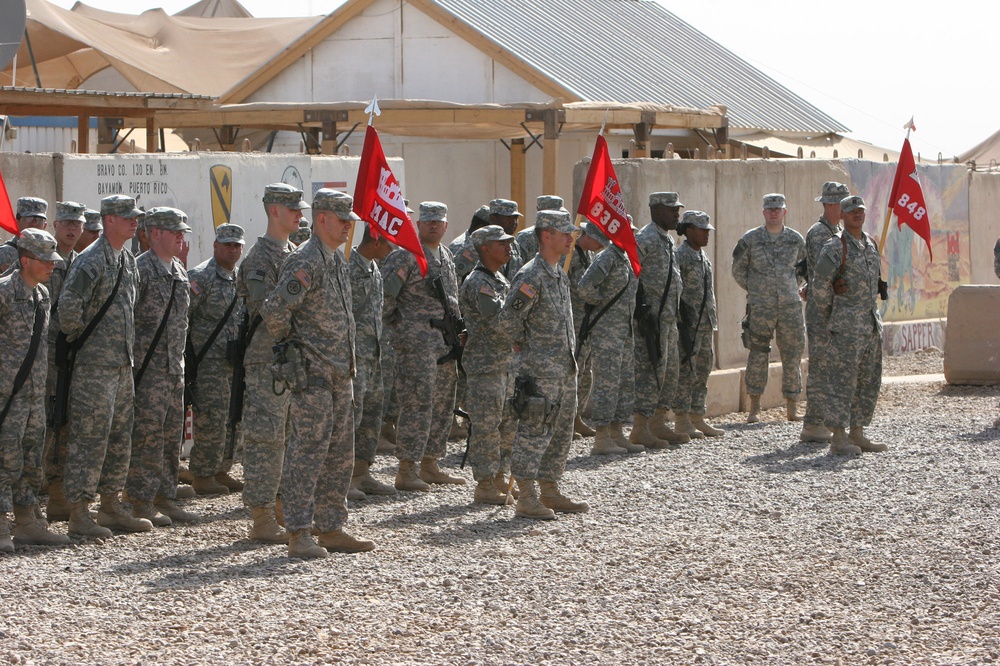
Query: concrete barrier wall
(27, 175)
(984, 209)
(972, 346)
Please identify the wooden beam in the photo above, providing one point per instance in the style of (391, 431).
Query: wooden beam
(152, 136)
(329, 137)
(550, 152)
(83, 134)
(518, 179)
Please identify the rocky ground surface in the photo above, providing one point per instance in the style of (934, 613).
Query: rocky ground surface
(751, 548)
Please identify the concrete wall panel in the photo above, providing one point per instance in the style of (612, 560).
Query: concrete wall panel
(972, 348)
(984, 206)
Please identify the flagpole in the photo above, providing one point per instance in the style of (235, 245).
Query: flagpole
(888, 210)
(579, 218)
(372, 110)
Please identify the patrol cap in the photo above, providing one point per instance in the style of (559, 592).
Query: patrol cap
(433, 211)
(491, 232)
(335, 202)
(595, 232)
(285, 195)
(504, 207)
(698, 219)
(833, 192)
(665, 199)
(556, 220)
(39, 243)
(120, 205)
(483, 213)
(165, 217)
(848, 204)
(32, 207)
(774, 200)
(549, 202)
(70, 210)
(229, 233)
(93, 222)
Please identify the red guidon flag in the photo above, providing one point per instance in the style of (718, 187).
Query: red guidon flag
(378, 200)
(907, 198)
(602, 203)
(7, 220)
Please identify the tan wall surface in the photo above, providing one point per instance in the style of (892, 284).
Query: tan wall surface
(984, 208)
(972, 346)
(28, 175)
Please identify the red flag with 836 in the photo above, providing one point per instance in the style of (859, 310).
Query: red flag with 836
(602, 203)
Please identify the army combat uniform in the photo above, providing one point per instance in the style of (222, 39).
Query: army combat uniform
(367, 303)
(699, 320)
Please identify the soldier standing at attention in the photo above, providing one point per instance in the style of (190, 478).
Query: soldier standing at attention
(265, 425)
(525, 240)
(462, 249)
(588, 244)
(213, 323)
(367, 299)
(847, 276)
(504, 213)
(30, 215)
(766, 264)
(102, 281)
(696, 323)
(24, 310)
(487, 360)
(92, 229)
(425, 389)
(538, 318)
(823, 230)
(309, 313)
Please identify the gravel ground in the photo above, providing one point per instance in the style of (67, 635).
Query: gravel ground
(752, 548)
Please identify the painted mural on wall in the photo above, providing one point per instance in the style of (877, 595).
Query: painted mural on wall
(919, 287)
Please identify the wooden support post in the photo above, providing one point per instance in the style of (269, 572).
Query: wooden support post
(550, 153)
(227, 137)
(641, 133)
(152, 136)
(518, 179)
(329, 137)
(83, 134)
(106, 133)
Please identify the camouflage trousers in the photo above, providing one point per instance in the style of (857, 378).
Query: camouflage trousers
(210, 414)
(493, 423)
(613, 397)
(542, 444)
(854, 377)
(656, 384)
(101, 401)
(368, 397)
(320, 457)
(21, 437)
(692, 381)
(54, 458)
(819, 351)
(785, 325)
(426, 395)
(156, 436)
(390, 406)
(584, 378)
(265, 430)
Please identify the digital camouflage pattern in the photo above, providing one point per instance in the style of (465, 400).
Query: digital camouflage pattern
(584, 376)
(818, 337)
(367, 303)
(55, 459)
(692, 380)
(466, 257)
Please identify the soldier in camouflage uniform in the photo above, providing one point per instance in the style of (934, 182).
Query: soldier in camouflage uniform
(487, 360)
(24, 310)
(767, 265)
(608, 286)
(462, 248)
(68, 226)
(846, 288)
(302, 234)
(504, 213)
(309, 311)
(656, 382)
(591, 240)
(538, 317)
(30, 215)
(696, 324)
(366, 306)
(526, 241)
(425, 389)
(825, 228)
(102, 393)
(161, 305)
(92, 229)
(213, 298)
(265, 425)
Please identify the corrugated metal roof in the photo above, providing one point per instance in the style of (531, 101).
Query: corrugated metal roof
(637, 51)
(103, 93)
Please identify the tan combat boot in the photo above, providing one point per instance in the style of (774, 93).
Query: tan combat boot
(112, 514)
(30, 529)
(355, 495)
(407, 479)
(302, 545)
(168, 507)
(604, 444)
(81, 522)
(642, 436)
(618, 435)
(754, 415)
(658, 426)
(488, 493)
(555, 500)
(363, 480)
(57, 507)
(431, 473)
(528, 504)
(504, 486)
(840, 445)
(207, 485)
(142, 509)
(339, 541)
(792, 409)
(185, 492)
(858, 439)
(265, 527)
(581, 428)
(814, 432)
(231, 484)
(6, 543)
(279, 511)
(184, 475)
(386, 439)
(683, 424)
(698, 421)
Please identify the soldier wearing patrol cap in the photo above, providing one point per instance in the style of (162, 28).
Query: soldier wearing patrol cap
(30, 215)
(214, 303)
(525, 240)
(697, 320)
(504, 213)
(462, 248)
(487, 360)
(545, 370)
(768, 265)
(102, 393)
(309, 312)
(265, 414)
(588, 243)
(818, 337)
(92, 229)
(24, 310)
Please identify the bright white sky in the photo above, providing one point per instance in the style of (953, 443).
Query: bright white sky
(871, 64)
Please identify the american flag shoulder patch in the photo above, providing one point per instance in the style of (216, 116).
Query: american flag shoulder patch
(303, 277)
(486, 289)
(528, 290)
(195, 287)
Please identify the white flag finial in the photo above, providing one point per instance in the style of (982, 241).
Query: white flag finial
(372, 110)
(910, 126)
